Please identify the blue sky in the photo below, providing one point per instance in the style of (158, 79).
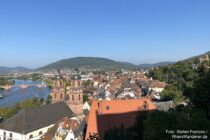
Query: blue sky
(37, 32)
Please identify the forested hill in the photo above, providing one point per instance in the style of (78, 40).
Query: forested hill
(89, 63)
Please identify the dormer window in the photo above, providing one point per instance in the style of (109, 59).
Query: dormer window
(31, 136)
(107, 107)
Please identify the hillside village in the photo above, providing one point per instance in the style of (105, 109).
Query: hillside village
(85, 105)
(115, 89)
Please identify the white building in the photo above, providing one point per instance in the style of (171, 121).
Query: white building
(157, 86)
(70, 135)
(86, 106)
(31, 124)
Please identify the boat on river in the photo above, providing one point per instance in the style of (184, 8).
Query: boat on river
(1, 96)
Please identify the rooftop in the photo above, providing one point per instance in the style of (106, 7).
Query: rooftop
(32, 119)
(115, 112)
(156, 83)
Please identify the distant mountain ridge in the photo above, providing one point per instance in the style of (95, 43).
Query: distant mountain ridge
(4, 70)
(97, 63)
(91, 63)
(155, 64)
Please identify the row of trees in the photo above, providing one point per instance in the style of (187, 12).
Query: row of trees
(34, 77)
(6, 81)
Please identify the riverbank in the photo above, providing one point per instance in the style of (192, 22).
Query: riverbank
(8, 112)
(17, 94)
(1, 88)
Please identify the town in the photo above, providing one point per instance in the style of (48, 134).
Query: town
(85, 105)
(108, 93)
(104, 70)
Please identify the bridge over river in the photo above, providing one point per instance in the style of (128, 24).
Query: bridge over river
(23, 86)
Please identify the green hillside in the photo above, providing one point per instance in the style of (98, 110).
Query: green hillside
(89, 63)
(195, 57)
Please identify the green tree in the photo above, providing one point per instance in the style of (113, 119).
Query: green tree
(157, 124)
(85, 98)
(27, 104)
(87, 83)
(41, 101)
(49, 99)
(35, 77)
(172, 93)
(201, 93)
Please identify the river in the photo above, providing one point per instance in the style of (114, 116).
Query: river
(16, 94)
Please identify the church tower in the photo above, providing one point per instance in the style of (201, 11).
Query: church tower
(58, 90)
(75, 94)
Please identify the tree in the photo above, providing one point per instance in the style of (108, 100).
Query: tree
(41, 101)
(201, 94)
(172, 93)
(35, 77)
(87, 83)
(85, 98)
(27, 104)
(49, 99)
(157, 124)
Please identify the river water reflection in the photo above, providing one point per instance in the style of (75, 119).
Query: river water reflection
(17, 94)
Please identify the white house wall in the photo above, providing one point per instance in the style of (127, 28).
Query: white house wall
(18, 136)
(36, 134)
(156, 89)
(15, 136)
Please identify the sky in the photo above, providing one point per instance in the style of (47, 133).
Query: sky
(34, 33)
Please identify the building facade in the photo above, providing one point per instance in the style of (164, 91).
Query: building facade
(33, 123)
(75, 94)
(58, 91)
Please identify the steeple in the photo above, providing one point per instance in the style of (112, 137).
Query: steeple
(58, 90)
(75, 93)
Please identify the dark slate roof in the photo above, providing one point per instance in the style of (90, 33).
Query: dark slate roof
(36, 118)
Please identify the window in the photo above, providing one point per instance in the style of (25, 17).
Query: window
(61, 96)
(79, 97)
(54, 96)
(4, 135)
(72, 97)
(40, 132)
(31, 136)
(107, 108)
(10, 136)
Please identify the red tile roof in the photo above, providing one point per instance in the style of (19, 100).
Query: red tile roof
(157, 84)
(104, 114)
